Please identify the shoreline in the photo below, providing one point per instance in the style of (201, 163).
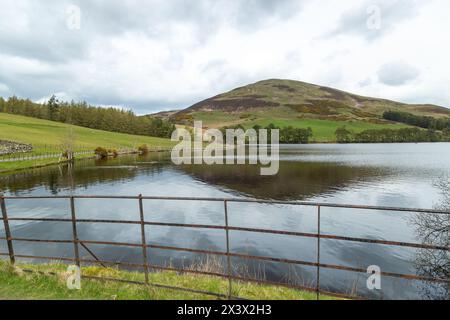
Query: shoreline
(52, 163)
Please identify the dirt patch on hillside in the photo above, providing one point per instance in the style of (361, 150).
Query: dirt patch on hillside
(232, 104)
(333, 93)
(283, 87)
(319, 106)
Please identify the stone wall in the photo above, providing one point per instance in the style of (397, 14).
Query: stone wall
(7, 147)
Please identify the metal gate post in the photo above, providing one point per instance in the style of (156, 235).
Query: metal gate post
(74, 231)
(228, 249)
(7, 230)
(144, 242)
(318, 255)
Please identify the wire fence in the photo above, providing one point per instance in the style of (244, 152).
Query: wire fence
(228, 253)
(28, 157)
(43, 151)
(50, 152)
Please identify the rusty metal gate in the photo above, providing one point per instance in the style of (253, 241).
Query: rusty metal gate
(147, 266)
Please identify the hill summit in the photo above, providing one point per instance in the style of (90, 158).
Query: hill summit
(307, 99)
(300, 105)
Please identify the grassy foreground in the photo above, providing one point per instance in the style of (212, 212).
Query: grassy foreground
(17, 284)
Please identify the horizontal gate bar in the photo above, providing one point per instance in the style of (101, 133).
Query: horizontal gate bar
(268, 231)
(243, 279)
(239, 255)
(297, 203)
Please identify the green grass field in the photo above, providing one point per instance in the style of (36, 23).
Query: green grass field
(17, 284)
(47, 137)
(323, 130)
(41, 132)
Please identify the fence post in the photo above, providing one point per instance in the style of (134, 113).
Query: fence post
(7, 231)
(74, 231)
(228, 249)
(318, 254)
(144, 242)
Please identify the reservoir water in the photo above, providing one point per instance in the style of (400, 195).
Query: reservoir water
(400, 175)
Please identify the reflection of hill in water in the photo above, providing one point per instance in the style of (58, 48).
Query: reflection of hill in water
(294, 181)
(81, 175)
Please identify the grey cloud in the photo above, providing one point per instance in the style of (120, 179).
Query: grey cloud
(216, 64)
(138, 106)
(392, 12)
(3, 88)
(66, 86)
(94, 63)
(252, 13)
(397, 73)
(366, 82)
(155, 17)
(43, 34)
(36, 86)
(47, 37)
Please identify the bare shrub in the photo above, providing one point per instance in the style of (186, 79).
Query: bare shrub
(101, 152)
(143, 149)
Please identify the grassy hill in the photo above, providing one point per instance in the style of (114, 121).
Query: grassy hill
(298, 104)
(39, 132)
(46, 138)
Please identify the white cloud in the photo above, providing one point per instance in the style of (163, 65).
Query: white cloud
(169, 54)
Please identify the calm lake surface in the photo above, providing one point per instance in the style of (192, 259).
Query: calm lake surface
(401, 175)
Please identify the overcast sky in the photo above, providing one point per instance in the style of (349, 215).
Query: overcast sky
(166, 54)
